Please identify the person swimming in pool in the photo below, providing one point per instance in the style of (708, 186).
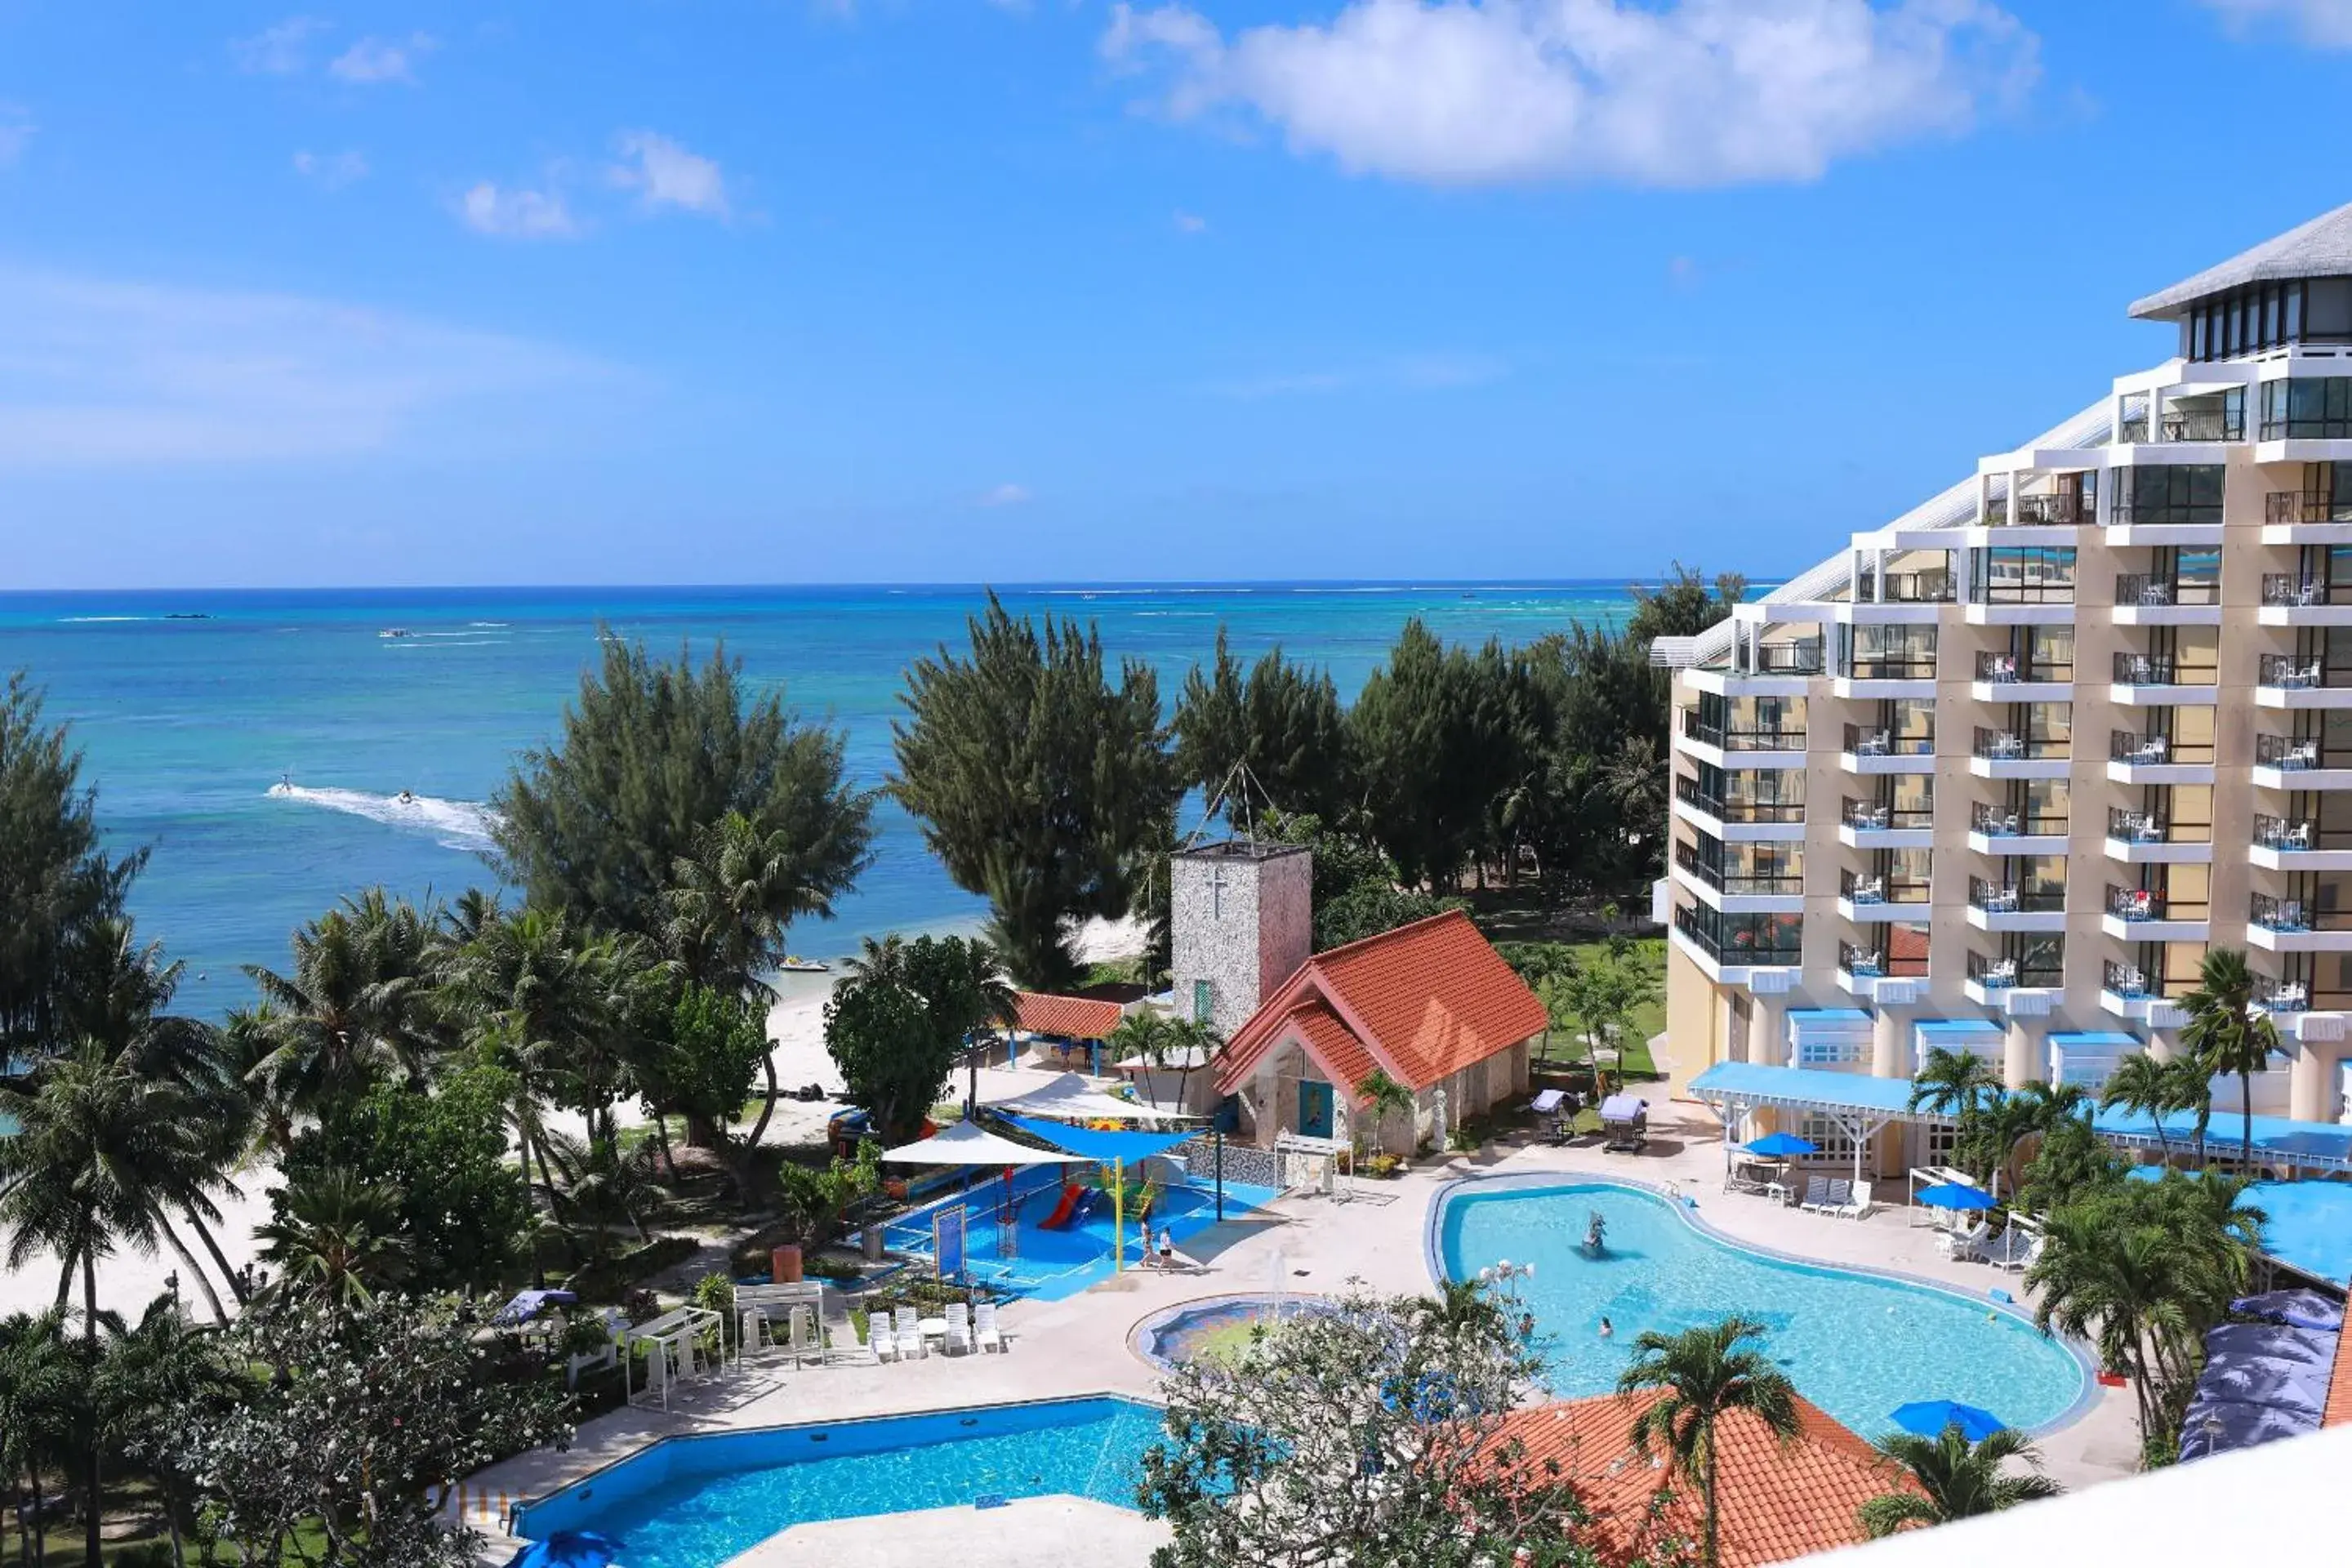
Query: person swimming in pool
(1526, 1325)
(1607, 1328)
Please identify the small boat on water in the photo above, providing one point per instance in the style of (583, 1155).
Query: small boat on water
(405, 797)
(394, 632)
(804, 966)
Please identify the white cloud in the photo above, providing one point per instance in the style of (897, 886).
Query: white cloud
(1689, 93)
(373, 61)
(515, 213)
(1005, 495)
(16, 130)
(667, 176)
(2327, 23)
(332, 171)
(99, 373)
(1191, 223)
(278, 51)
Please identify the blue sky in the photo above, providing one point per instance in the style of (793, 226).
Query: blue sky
(682, 291)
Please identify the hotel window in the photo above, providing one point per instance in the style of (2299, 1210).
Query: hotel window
(1828, 1134)
(2172, 494)
(1199, 1001)
(2308, 408)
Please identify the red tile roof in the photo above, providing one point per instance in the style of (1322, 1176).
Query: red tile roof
(1340, 1052)
(1069, 1018)
(1421, 1002)
(1775, 1502)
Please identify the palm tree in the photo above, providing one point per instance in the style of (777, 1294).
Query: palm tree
(2226, 1033)
(1956, 1084)
(2121, 1272)
(603, 1187)
(2009, 1124)
(357, 1003)
(1384, 1097)
(730, 902)
(1956, 1478)
(2145, 1086)
(1702, 1375)
(2192, 1090)
(42, 1386)
(151, 1372)
(337, 1238)
(1460, 1304)
(1144, 1036)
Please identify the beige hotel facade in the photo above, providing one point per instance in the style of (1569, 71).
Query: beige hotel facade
(1995, 774)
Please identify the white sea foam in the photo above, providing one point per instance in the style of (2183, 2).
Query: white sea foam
(102, 620)
(455, 823)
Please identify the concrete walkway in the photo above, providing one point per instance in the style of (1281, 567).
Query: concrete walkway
(1316, 1244)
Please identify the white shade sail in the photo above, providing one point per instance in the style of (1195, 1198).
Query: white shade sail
(967, 1144)
(1072, 1098)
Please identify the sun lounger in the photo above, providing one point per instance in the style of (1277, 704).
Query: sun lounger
(880, 1340)
(907, 1327)
(1857, 1204)
(1964, 1245)
(2019, 1251)
(956, 1341)
(984, 1334)
(1825, 1197)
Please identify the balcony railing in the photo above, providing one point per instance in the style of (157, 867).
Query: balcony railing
(1862, 888)
(2011, 898)
(1892, 667)
(1994, 821)
(1687, 789)
(2289, 673)
(2286, 833)
(2160, 669)
(2124, 979)
(2055, 511)
(2149, 589)
(1905, 588)
(2008, 746)
(2034, 593)
(2280, 995)
(1774, 946)
(1785, 659)
(2135, 904)
(1729, 740)
(2129, 826)
(2157, 751)
(2129, 513)
(1885, 742)
(2305, 506)
(1876, 815)
(2203, 425)
(1783, 884)
(2001, 973)
(2288, 754)
(1873, 963)
(2278, 914)
(2008, 668)
(2289, 590)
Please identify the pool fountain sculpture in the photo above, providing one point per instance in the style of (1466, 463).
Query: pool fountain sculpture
(1596, 1234)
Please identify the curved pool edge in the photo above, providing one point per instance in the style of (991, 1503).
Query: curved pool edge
(519, 1515)
(1141, 1334)
(1686, 1208)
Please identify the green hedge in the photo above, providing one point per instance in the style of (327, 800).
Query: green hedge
(605, 1281)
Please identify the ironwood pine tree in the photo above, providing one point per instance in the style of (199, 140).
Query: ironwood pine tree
(1283, 720)
(1040, 785)
(655, 756)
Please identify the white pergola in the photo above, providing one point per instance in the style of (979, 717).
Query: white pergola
(1070, 1098)
(1860, 1105)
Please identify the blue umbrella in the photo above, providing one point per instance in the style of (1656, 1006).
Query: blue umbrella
(1782, 1146)
(569, 1549)
(1955, 1196)
(1928, 1417)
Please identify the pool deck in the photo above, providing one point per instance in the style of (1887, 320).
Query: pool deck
(1078, 1345)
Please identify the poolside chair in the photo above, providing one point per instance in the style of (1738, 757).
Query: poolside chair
(1964, 1245)
(2019, 1251)
(880, 1340)
(807, 1336)
(958, 1340)
(911, 1346)
(985, 1333)
(1817, 1194)
(1858, 1206)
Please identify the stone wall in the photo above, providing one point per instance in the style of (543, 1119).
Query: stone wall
(1241, 919)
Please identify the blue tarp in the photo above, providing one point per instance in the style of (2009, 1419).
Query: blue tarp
(2294, 1309)
(1105, 1147)
(2259, 1382)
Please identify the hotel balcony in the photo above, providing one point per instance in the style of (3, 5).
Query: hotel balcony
(2004, 678)
(1739, 822)
(1868, 900)
(1737, 892)
(2293, 844)
(1896, 677)
(1753, 749)
(2306, 517)
(1873, 824)
(2163, 522)
(1870, 973)
(2005, 754)
(2015, 990)
(2288, 925)
(2136, 759)
(2006, 906)
(2125, 992)
(1993, 831)
(2290, 1004)
(1911, 598)
(1765, 669)
(2021, 605)
(2292, 599)
(2141, 838)
(2292, 762)
(2144, 915)
(1765, 961)
(2289, 680)
(2156, 681)
(2035, 519)
(1870, 750)
(2146, 600)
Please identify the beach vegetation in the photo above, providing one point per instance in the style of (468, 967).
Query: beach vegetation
(1041, 785)
(1699, 1376)
(2228, 1035)
(357, 1005)
(903, 1017)
(1272, 735)
(654, 758)
(698, 1060)
(336, 1238)
(1952, 1478)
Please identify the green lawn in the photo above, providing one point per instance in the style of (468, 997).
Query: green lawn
(1649, 1017)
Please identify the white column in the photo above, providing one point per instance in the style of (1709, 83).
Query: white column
(2028, 1055)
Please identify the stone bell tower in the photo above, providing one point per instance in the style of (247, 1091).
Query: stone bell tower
(1242, 923)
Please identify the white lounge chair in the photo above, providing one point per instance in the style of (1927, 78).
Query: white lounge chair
(1858, 1206)
(984, 1334)
(807, 1336)
(1817, 1193)
(2019, 1251)
(1831, 1197)
(878, 1337)
(957, 1339)
(1964, 1245)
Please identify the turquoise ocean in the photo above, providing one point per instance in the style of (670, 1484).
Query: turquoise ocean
(190, 707)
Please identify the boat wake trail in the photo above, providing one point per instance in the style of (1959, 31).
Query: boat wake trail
(455, 824)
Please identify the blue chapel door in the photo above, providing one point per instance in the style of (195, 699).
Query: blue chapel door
(1314, 1109)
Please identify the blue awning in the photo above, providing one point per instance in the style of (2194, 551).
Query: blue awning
(1947, 1029)
(2097, 1040)
(1105, 1147)
(1829, 1014)
(2276, 1137)
(1749, 1083)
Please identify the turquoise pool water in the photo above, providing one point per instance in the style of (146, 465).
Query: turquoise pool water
(1048, 1265)
(1855, 1344)
(694, 1502)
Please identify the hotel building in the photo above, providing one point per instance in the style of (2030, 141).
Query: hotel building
(1996, 774)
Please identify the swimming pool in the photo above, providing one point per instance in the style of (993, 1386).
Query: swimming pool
(1855, 1344)
(694, 1502)
(1048, 1265)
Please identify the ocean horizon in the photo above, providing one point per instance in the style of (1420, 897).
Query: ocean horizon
(257, 742)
